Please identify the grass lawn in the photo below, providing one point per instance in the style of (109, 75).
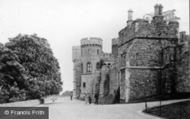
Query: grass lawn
(173, 111)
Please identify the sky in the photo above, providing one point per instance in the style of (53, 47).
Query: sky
(64, 22)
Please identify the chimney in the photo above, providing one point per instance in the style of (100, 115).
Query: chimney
(158, 17)
(158, 10)
(130, 17)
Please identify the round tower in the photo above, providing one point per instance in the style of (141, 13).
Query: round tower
(91, 51)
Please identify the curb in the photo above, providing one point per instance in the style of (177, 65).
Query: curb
(150, 115)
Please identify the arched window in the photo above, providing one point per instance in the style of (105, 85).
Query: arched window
(84, 85)
(89, 67)
(98, 52)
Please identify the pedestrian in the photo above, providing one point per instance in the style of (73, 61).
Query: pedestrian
(96, 98)
(71, 96)
(86, 98)
(89, 99)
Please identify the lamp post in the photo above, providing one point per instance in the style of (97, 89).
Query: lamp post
(146, 101)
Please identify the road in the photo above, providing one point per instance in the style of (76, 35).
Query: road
(64, 108)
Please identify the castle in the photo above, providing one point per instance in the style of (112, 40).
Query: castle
(147, 59)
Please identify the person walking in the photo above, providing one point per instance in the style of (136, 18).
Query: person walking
(86, 98)
(96, 98)
(71, 97)
(89, 99)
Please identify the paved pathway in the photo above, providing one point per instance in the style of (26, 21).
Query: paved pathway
(64, 108)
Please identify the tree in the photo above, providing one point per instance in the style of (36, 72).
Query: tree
(12, 76)
(41, 67)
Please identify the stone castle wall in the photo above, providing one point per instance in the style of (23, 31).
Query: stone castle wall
(76, 53)
(115, 47)
(104, 83)
(114, 78)
(77, 80)
(76, 57)
(86, 80)
(183, 64)
(140, 56)
(141, 62)
(146, 55)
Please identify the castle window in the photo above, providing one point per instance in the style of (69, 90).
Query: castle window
(97, 65)
(88, 51)
(84, 85)
(97, 52)
(89, 67)
(81, 68)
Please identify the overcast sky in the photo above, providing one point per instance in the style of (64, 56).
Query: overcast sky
(64, 22)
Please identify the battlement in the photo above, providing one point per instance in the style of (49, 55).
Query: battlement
(115, 41)
(158, 28)
(92, 41)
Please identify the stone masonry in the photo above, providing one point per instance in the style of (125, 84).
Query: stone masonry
(146, 55)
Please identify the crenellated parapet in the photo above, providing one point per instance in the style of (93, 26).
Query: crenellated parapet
(140, 28)
(92, 41)
(157, 29)
(91, 47)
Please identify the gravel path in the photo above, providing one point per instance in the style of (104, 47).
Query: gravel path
(64, 108)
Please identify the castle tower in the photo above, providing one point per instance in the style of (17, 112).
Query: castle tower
(76, 57)
(130, 17)
(91, 51)
(139, 63)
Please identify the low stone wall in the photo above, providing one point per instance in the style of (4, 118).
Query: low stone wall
(27, 103)
(21, 103)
